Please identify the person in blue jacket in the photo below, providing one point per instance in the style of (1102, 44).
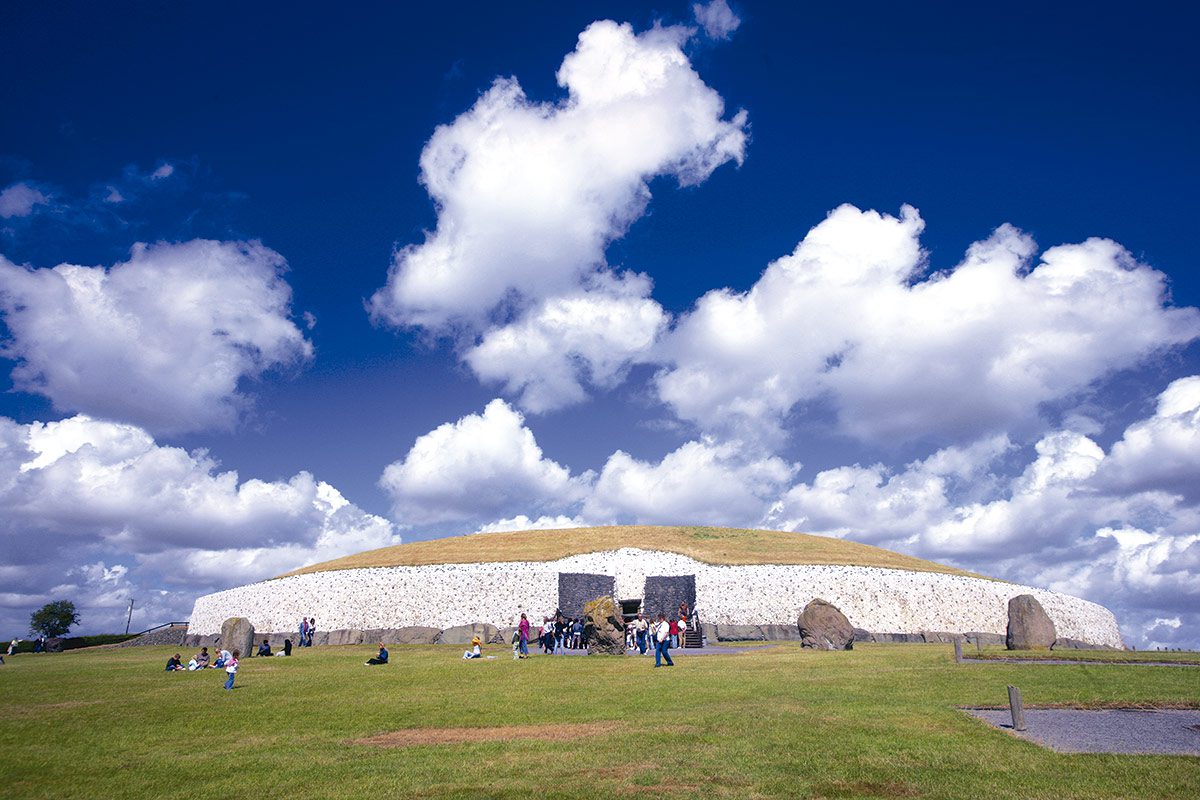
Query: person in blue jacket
(382, 658)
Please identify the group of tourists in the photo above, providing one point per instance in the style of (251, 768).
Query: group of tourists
(202, 660)
(264, 649)
(559, 634)
(641, 634)
(308, 626)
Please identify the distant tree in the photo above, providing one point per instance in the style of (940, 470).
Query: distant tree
(54, 619)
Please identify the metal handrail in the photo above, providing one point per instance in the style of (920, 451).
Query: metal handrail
(160, 627)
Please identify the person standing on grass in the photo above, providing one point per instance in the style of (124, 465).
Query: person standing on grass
(673, 626)
(312, 629)
(523, 632)
(12, 646)
(642, 627)
(231, 668)
(662, 638)
(560, 635)
(303, 630)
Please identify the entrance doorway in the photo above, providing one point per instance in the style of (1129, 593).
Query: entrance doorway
(630, 608)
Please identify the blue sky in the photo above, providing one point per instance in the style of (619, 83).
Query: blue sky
(343, 277)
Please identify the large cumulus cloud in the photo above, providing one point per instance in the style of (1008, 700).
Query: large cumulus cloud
(163, 340)
(849, 318)
(100, 512)
(530, 194)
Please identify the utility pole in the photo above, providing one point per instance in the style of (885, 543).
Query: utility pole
(129, 619)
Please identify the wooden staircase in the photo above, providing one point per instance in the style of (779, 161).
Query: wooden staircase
(693, 639)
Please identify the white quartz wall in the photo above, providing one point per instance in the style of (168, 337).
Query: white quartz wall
(441, 596)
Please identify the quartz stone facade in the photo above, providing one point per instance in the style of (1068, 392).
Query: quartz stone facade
(445, 595)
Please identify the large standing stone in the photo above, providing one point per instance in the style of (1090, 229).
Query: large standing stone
(463, 634)
(603, 627)
(1029, 626)
(238, 634)
(824, 627)
(55, 644)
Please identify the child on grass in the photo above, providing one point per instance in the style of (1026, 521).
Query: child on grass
(231, 668)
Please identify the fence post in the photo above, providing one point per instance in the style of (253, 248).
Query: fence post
(1014, 705)
(957, 651)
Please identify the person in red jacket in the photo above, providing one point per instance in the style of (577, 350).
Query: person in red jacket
(523, 630)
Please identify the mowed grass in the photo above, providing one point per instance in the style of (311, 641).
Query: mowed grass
(878, 721)
(710, 545)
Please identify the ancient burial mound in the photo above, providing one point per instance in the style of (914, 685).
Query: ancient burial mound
(746, 584)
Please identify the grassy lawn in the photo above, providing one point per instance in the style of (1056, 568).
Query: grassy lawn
(878, 721)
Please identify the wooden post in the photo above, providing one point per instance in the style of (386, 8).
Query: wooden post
(1018, 712)
(957, 651)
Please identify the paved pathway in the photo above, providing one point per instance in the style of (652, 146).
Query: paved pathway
(1166, 732)
(676, 652)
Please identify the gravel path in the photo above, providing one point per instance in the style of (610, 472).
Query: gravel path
(1078, 731)
(1078, 661)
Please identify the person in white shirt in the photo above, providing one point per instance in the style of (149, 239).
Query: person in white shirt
(662, 638)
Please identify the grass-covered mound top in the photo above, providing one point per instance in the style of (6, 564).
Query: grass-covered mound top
(735, 546)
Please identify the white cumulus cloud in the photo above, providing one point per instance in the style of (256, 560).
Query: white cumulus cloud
(1162, 452)
(717, 19)
(479, 468)
(956, 355)
(702, 482)
(118, 514)
(529, 195)
(589, 336)
(19, 199)
(162, 340)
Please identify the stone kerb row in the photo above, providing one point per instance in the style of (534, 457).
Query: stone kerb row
(448, 595)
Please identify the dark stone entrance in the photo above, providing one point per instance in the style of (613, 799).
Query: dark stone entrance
(664, 593)
(577, 588)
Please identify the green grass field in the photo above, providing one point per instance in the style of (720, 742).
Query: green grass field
(878, 721)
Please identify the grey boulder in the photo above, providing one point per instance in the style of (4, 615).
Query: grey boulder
(238, 634)
(824, 627)
(1029, 626)
(603, 627)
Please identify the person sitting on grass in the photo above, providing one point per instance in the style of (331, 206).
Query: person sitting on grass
(222, 659)
(287, 648)
(476, 650)
(200, 661)
(174, 664)
(382, 658)
(264, 649)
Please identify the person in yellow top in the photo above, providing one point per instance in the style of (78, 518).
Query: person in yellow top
(475, 651)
